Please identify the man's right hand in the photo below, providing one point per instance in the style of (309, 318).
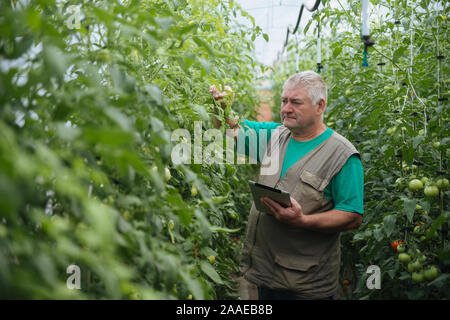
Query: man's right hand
(225, 100)
(219, 95)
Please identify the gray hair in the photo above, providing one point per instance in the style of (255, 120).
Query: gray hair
(312, 82)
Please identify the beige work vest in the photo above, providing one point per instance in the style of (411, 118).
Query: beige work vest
(279, 256)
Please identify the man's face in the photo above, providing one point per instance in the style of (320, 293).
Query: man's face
(297, 110)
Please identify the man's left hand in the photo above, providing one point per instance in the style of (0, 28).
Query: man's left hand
(292, 215)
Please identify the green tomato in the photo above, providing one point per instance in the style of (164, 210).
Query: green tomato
(417, 277)
(404, 257)
(442, 183)
(391, 130)
(424, 180)
(417, 265)
(434, 234)
(422, 259)
(415, 185)
(401, 248)
(436, 144)
(212, 259)
(194, 190)
(431, 273)
(167, 174)
(175, 289)
(431, 191)
(234, 216)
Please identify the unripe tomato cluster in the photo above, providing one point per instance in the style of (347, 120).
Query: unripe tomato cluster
(395, 245)
(430, 188)
(414, 263)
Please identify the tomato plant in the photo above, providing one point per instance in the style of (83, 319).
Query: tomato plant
(86, 177)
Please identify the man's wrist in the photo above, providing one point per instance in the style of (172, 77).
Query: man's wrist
(302, 221)
(233, 123)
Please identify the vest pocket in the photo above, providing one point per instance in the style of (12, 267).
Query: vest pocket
(290, 272)
(309, 190)
(296, 263)
(312, 180)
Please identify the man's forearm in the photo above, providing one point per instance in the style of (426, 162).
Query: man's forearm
(224, 100)
(331, 221)
(216, 122)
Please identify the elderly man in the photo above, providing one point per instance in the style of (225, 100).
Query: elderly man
(295, 253)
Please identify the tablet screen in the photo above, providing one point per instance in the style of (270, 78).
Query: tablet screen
(260, 190)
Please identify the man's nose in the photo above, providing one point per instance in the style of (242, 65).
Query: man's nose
(287, 108)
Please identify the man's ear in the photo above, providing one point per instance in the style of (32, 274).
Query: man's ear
(321, 106)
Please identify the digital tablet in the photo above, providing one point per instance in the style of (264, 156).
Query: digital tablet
(260, 190)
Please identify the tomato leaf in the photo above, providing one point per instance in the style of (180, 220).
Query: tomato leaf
(378, 233)
(203, 44)
(155, 93)
(398, 53)
(307, 26)
(436, 224)
(193, 285)
(211, 272)
(409, 207)
(417, 140)
(164, 22)
(389, 224)
(121, 119)
(440, 281)
(337, 51)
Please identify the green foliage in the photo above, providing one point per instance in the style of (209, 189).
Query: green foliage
(86, 176)
(86, 117)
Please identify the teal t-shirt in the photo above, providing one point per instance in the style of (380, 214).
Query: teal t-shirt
(345, 188)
